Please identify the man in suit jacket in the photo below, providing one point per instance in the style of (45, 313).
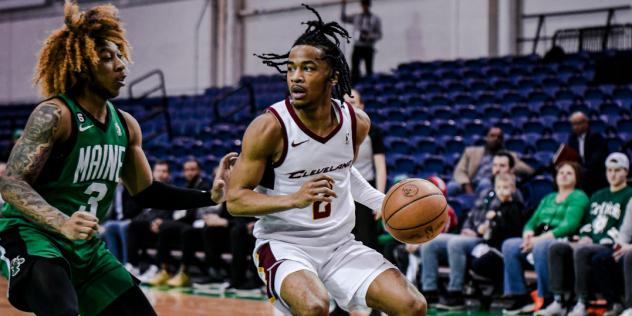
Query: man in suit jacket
(474, 170)
(593, 150)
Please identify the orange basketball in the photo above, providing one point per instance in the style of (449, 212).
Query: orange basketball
(414, 211)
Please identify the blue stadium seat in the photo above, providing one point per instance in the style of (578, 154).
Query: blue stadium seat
(454, 145)
(610, 109)
(517, 144)
(475, 127)
(614, 143)
(404, 164)
(534, 126)
(598, 126)
(442, 112)
(545, 158)
(426, 145)
(434, 165)
(448, 128)
(539, 187)
(624, 125)
(547, 144)
(397, 145)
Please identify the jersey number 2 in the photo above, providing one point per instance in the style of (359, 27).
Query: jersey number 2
(99, 188)
(321, 209)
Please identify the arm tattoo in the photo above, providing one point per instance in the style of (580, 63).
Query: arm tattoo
(27, 160)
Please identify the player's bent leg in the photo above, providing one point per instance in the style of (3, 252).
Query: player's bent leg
(131, 303)
(305, 294)
(391, 293)
(33, 293)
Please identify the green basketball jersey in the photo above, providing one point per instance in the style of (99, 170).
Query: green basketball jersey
(605, 215)
(83, 177)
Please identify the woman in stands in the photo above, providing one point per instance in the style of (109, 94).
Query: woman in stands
(558, 216)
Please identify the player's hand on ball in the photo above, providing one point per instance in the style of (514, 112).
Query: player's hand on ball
(80, 226)
(318, 188)
(218, 192)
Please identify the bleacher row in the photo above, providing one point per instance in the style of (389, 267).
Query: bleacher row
(429, 112)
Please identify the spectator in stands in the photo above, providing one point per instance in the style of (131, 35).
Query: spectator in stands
(367, 29)
(592, 149)
(458, 247)
(559, 215)
(371, 163)
(502, 222)
(607, 267)
(596, 236)
(473, 171)
(179, 232)
(143, 228)
(114, 228)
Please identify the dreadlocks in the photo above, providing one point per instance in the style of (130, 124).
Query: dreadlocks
(318, 34)
(71, 49)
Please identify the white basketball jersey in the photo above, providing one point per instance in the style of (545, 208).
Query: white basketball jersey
(306, 155)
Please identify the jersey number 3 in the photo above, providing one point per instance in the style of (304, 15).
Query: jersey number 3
(100, 189)
(321, 209)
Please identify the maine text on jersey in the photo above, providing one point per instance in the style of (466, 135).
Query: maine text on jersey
(99, 162)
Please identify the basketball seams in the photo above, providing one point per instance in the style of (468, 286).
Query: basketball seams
(423, 224)
(393, 190)
(410, 202)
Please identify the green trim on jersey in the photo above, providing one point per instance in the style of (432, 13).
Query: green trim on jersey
(91, 170)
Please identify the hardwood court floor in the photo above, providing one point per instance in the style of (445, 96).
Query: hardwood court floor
(210, 302)
(178, 303)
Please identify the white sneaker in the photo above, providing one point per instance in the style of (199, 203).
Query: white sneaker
(578, 310)
(149, 274)
(554, 309)
(627, 312)
(132, 269)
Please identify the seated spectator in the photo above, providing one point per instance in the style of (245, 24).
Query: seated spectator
(142, 230)
(114, 228)
(559, 215)
(613, 269)
(592, 149)
(597, 235)
(179, 232)
(473, 173)
(457, 247)
(502, 222)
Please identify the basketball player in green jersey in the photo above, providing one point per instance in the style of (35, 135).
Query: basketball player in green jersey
(62, 175)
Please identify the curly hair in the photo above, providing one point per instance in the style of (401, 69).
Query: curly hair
(320, 34)
(70, 50)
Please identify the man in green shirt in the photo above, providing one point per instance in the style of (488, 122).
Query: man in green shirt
(598, 235)
(62, 174)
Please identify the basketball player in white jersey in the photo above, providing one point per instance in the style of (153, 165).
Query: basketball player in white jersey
(300, 154)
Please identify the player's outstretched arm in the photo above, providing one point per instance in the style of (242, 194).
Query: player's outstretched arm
(138, 180)
(47, 124)
(263, 142)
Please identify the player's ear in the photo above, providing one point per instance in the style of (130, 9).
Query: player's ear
(334, 78)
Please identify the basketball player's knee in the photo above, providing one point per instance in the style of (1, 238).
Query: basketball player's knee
(313, 306)
(415, 305)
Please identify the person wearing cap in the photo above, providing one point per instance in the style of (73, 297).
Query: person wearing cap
(613, 271)
(597, 236)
